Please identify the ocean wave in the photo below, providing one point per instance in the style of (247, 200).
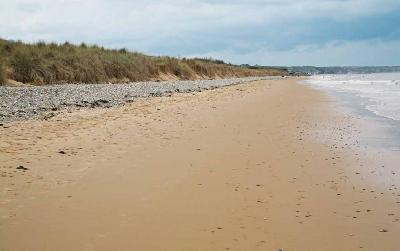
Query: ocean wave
(380, 92)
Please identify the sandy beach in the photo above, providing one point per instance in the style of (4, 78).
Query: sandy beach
(270, 165)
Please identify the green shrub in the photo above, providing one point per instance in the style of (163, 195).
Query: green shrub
(123, 50)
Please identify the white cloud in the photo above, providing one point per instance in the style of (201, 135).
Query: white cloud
(28, 18)
(143, 25)
(337, 53)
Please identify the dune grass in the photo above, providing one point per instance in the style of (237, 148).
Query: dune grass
(50, 63)
(2, 71)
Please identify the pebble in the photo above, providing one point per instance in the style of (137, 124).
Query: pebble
(19, 103)
(22, 168)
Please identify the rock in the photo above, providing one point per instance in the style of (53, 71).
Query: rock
(22, 168)
(49, 116)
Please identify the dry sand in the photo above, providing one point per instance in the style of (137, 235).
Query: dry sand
(264, 166)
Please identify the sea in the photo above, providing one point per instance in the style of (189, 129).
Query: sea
(374, 97)
(378, 93)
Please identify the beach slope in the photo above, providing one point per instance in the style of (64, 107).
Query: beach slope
(260, 166)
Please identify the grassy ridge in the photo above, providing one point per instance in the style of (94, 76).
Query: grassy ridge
(51, 63)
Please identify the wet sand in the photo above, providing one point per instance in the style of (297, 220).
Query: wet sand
(271, 165)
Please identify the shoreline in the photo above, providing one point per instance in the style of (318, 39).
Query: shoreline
(389, 133)
(234, 168)
(367, 100)
(376, 137)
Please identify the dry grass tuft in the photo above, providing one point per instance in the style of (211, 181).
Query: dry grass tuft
(2, 72)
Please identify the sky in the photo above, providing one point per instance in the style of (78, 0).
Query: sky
(264, 32)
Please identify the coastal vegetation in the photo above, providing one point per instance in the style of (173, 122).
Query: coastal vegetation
(2, 71)
(51, 63)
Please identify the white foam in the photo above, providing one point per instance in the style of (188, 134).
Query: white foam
(380, 92)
